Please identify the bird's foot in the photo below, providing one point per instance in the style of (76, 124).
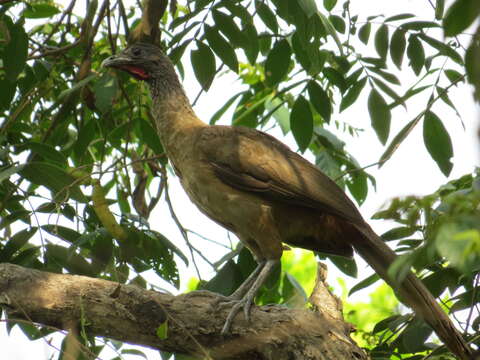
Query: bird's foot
(237, 305)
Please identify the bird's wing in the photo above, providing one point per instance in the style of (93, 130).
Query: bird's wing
(253, 161)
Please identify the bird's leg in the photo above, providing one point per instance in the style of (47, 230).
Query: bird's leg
(247, 284)
(247, 300)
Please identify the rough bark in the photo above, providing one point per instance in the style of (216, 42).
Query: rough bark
(132, 314)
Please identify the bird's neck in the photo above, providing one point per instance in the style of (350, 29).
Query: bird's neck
(174, 117)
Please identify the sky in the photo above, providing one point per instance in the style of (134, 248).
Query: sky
(410, 171)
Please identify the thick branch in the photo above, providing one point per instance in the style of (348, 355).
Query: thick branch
(131, 314)
(148, 29)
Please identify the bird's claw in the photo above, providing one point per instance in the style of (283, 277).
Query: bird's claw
(245, 303)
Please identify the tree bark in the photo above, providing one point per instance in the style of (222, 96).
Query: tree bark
(131, 314)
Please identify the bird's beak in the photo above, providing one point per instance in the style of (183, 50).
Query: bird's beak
(124, 63)
(115, 61)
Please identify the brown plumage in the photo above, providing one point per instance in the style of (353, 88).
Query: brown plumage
(255, 186)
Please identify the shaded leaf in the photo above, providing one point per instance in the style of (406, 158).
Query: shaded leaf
(352, 94)
(320, 100)
(419, 25)
(149, 136)
(203, 62)
(229, 28)
(397, 47)
(224, 108)
(460, 16)
(105, 90)
(381, 41)
(443, 48)
(397, 140)
(399, 17)
(267, 16)
(301, 123)
(346, 265)
(15, 52)
(379, 115)
(438, 142)
(38, 11)
(308, 6)
(277, 63)
(364, 32)
(221, 48)
(54, 178)
(416, 54)
(364, 283)
(439, 9)
(329, 4)
(338, 23)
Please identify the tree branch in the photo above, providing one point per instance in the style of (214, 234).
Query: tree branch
(148, 30)
(131, 314)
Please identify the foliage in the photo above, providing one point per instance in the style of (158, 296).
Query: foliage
(74, 137)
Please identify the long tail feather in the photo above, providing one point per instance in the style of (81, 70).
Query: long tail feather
(412, 291)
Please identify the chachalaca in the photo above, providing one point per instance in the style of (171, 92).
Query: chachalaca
(255, 186)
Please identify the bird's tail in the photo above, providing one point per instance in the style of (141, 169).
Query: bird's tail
(412, 292)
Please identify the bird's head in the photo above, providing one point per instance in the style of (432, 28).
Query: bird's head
(143, 61)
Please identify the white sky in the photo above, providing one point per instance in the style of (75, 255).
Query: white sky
(410, 171)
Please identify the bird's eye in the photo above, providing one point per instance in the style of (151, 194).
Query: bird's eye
(136, 52)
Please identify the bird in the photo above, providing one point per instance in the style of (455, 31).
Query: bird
(268, 195)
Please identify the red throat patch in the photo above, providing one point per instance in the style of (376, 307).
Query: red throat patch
(136, 71)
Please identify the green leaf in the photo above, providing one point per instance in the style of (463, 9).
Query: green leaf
(301, 123)
(398, 233)
(415, 336)
(438, 142)
(308, 6)
(336, 78)
(419, 25)
(47, 152)
(329, 4)
(352, 94)
(62, 232)
(135, 351)
(267, 16)
(221, 47)
(38, 11)
(397, 47)
(15, 243)
(439, 9)
(358, 186)
(203, 62)
(381, 41)
(399, 17)
(149, 136)
(252, 45)
(331, 31)
(229, 28)
(346, 265)
(75, 87)
(364, 283)
(105, 90)
(227, 279)
(6, 172)
(460, 16)
(7, 93)
(320, 100)
(224, 108)
(162, 331)
(338, 23)
(15, 52)
(442, 48)
(416, 54)
(380, 115)
(364, 32)
(397, 140)
(54, 178)
(454, 76)
(277, 63)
